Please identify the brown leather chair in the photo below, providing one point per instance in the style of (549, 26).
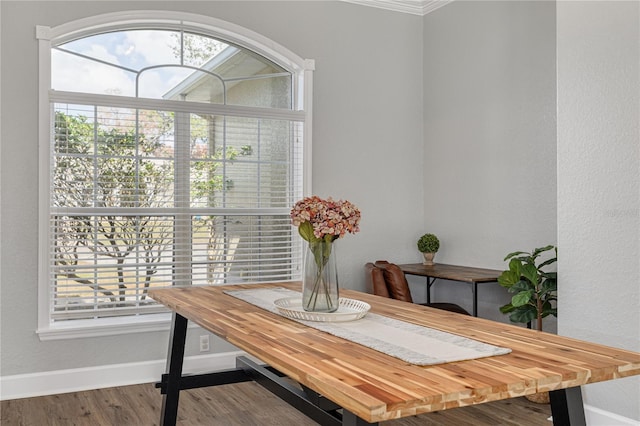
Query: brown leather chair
(375, 280)
(387, 280)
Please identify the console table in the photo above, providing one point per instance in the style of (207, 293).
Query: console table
(466, 274)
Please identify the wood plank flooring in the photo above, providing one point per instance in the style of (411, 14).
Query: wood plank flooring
(245, 404)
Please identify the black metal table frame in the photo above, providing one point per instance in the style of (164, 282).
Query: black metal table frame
(474, 289)
(567, 407)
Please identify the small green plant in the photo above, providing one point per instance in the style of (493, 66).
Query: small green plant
(428, 243)
(535, 290)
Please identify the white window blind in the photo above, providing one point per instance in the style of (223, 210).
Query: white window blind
(180, 189)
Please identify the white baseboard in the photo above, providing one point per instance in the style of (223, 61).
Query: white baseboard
(598, 417)
(80, 379)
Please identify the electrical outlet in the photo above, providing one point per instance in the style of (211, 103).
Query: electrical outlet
(204, 343)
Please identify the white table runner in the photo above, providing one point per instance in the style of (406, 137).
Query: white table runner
(412, 343)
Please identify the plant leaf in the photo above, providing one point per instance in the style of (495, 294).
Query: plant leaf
(530, 272)
(525, 314)
(548, 309)
(515, 253)
(305, 229)
(539, 250)
(548, 262)
(507, 279)
(522, 285)
(515, 265)
(548, 287)
(507, 308)
(522, 298)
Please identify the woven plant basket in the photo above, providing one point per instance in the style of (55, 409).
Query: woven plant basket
(539, 398)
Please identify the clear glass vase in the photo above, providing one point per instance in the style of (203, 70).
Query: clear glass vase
(320, 281)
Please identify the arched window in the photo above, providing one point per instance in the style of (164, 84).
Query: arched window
(173, 149)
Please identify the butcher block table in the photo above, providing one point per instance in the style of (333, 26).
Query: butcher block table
(368, 385)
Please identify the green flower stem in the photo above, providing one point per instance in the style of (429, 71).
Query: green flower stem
(321, 252)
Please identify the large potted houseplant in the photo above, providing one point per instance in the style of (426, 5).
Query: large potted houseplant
(535, 292)
(535, 289)
(428, 244)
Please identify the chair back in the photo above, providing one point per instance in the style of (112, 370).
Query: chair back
(375, 280)
(387, 280)
(394, 281)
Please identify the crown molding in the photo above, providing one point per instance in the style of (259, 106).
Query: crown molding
(414, 7)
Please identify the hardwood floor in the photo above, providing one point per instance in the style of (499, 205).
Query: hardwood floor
(229, 405)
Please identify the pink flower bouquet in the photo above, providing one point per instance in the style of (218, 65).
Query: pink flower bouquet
(320, 222)
(319, 219)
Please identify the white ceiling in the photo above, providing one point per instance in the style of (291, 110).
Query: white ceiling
(414, 7)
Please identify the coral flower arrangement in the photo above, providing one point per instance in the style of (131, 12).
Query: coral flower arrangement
(319, 219)
(320, 222)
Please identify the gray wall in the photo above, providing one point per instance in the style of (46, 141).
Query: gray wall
(489, 137)
(367, 148)
(599, 185)
(491, 149)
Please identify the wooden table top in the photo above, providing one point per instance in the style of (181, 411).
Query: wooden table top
(452, 272)
(378, 387)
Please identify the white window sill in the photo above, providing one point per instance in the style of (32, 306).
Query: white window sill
(77, 329)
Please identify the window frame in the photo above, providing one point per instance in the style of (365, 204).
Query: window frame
(302, 75)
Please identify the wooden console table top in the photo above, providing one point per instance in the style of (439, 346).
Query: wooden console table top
(452, 272)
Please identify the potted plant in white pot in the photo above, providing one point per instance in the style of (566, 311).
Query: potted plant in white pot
(428, 244)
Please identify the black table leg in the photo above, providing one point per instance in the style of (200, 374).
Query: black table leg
(350, 419)
(430, 282)
(567, 408)
(175, 358)
(474, 290)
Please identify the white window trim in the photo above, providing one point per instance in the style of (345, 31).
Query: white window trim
(46, 36)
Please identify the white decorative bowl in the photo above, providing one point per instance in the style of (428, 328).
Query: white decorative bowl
(348, 310)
